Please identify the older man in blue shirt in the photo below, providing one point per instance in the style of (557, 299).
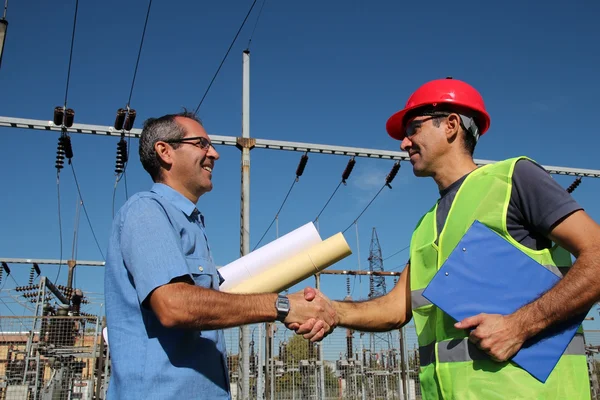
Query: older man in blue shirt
(165, 313)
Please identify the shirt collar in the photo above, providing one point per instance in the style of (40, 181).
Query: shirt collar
(178, 200)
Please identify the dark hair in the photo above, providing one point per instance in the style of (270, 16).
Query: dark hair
(162, 128)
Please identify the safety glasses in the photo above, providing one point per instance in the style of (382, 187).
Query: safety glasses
(467, 123)
(198, 141)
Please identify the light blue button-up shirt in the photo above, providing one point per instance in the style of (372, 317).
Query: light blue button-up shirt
(158, 236)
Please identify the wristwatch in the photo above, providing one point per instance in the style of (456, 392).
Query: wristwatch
(282, 304)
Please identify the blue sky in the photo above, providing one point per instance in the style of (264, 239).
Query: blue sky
(321, 72)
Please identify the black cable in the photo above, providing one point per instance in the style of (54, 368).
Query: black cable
(71, 52)
(59, 227)
(365, 209)
(224, 58)
(276, 215)
(85, 211)
(125, 176)
(256, 23)
(331, 197)
(398, 252)
(137, 63)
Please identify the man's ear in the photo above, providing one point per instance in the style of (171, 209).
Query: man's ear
(452, 127)
(164, 152)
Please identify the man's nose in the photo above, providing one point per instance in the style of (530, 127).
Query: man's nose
(406, 143)
(212, 152)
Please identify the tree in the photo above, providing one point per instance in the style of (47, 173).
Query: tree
(295, 373)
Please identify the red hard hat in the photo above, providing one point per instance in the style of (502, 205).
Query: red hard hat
(437, 92)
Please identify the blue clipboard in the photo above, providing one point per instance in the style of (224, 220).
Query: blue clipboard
(487, 274)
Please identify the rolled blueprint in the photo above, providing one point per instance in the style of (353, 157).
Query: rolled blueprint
(252, 264)
(295, 269)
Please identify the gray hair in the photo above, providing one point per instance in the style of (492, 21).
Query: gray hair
(163, 128)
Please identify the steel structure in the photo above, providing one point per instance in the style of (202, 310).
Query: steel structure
(245, 143)
(102, 130)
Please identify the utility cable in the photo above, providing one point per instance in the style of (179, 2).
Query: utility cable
(388, 180)
(64, 141)
(128, 110)
(256, 23)
(398, 252)
(276, 215)
(365, 209)
(299, 172)
(345, 176)
(330, 197)
(59, 227)
(225, 57)
(71, 52)
(85, 212)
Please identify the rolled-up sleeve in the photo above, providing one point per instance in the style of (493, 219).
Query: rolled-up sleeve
(150, 247)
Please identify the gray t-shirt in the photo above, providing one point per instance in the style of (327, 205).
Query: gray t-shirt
(537, 203)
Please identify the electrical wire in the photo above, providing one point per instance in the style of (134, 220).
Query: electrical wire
(5, 8)
(398, 252)
(59, 226)
(365, 209)
(277, 214)
(64, 132)
(71, 52)
(137, 63)
(331, 197)
(225, 57)
(256, 23)
(85, 211)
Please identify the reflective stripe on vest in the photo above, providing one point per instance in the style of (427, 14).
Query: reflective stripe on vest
(458, 350)
(417, 300)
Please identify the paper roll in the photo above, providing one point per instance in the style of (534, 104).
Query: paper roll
(297, 268)
(252, 264)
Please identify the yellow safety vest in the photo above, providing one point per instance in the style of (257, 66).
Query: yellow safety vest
(451, 367)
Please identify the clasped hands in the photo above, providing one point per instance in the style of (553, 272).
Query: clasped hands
(311, 315)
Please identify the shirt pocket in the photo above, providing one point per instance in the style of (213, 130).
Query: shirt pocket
(202, 271)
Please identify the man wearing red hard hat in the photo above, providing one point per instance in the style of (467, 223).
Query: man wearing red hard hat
(439, 127)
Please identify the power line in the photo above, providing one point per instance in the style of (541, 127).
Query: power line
(85, 211)
(388, 180)
(365, 209)
(345, 176)
(59, 226)
(71, 52)
(131, 113)
(225, 57)
(299, 172)
(277, 214)
(256, 23)
(137, 63)
(398, 252)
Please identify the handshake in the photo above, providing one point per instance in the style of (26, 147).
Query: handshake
(311, 315)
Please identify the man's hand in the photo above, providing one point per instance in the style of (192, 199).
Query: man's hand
(311, 314)
(498, 335)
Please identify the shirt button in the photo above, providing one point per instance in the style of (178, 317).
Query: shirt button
(200, 269)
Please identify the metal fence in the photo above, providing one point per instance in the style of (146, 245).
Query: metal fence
(49, 357)
(345, 365)
(65, 357)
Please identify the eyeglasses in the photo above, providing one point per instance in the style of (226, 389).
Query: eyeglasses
(202, 142)
(413, 126)
(467, 123)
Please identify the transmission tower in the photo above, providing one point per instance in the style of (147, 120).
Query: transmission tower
(378, 342)
(377, 283)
